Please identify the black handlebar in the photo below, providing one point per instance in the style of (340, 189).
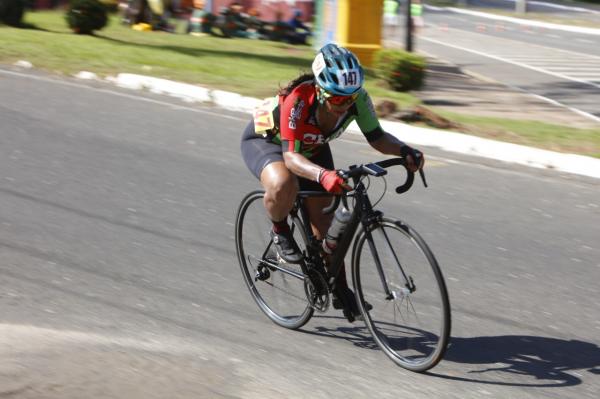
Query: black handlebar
(410, 175)
(377, 169)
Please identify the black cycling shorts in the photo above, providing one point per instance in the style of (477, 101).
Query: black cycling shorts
(258, 151)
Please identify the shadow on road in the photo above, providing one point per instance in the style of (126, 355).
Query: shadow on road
(547, 360)
(358, 334)
(508, 360)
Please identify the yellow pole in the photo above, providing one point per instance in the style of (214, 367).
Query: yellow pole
(359, 27)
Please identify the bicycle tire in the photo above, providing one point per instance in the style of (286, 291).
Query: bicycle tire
(279, 292)
(416, 348)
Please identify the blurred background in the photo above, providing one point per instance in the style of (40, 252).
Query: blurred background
(121, 176)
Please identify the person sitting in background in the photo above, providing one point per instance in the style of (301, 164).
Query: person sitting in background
(201, 21)
(279, 29)
(257, 29)
(299, 31)
(233, 22)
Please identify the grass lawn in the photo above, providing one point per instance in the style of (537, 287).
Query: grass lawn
(531, 133)
(251, 67)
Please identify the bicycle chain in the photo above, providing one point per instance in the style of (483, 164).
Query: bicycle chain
(317, 295)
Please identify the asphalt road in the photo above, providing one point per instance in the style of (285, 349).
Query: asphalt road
(558, 65)
(119, 277)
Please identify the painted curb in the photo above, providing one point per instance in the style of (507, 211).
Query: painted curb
(445, 140)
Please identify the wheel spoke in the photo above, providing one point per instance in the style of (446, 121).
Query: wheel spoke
(413, 330)
(278, 289)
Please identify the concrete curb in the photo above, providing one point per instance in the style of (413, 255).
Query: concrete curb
(446, 140)
(187, 92)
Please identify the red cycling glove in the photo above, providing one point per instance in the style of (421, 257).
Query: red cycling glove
(331, 181)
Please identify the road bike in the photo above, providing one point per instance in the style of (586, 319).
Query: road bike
(398, 285)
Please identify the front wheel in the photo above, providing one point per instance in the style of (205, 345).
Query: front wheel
(278, 288)
(396, 273)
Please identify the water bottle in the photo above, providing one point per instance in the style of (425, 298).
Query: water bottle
(336, 230)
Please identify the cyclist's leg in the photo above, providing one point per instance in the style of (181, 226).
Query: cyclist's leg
(281, 187)
(315, 205)
(343, 296)
(265, 161)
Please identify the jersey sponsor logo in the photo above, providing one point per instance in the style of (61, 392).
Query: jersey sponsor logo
(310, 138)
(295, 113)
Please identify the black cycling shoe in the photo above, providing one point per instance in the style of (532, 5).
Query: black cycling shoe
(343, 298)
(286, 247)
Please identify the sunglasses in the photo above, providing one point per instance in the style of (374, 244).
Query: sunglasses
(339, 100)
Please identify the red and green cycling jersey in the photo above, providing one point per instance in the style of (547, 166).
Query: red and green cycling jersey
(292, 122)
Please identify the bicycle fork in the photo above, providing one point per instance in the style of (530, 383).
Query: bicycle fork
(409, 286)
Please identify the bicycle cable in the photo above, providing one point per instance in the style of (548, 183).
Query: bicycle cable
(383, 193)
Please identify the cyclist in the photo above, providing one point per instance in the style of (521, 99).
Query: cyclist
(286, 146)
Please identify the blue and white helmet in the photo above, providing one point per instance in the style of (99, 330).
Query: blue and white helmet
(337, 70)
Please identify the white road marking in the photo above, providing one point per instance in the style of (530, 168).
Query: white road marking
(509, 61)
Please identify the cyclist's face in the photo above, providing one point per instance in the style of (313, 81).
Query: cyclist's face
(339, 104)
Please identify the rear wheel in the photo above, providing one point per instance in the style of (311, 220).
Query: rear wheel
(396, 273)
(277, 287)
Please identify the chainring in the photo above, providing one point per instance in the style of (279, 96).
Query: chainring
(315, 287)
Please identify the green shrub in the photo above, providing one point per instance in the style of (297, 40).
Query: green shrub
(111, 6)
(401, 70)
(86, 16)
(11, 12)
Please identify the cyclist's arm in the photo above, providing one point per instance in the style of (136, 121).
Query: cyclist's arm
(294, 111)
(377, 138)
(388, 144)
(299, 165)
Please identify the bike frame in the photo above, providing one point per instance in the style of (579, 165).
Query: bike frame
(362, 213)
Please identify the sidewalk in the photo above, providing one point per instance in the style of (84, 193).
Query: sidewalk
(446, 140)
(449, 88)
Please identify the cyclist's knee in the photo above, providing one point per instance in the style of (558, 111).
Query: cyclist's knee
(281, 187)
(285, 185)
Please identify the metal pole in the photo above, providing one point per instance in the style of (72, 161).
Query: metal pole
(409, 27)
(521, 6)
